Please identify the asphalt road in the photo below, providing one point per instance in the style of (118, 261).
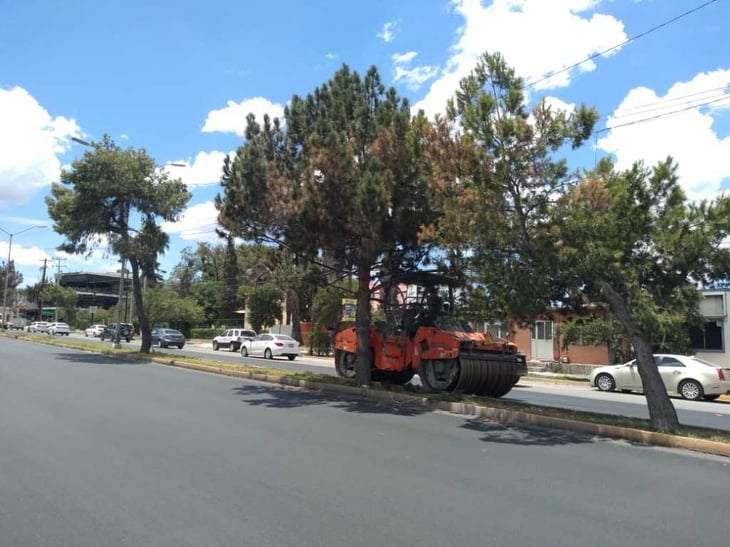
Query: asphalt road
(94, 451)
(574, 396)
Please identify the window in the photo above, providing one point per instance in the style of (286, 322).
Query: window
(708, 337)
(668, 362)
(542, 330)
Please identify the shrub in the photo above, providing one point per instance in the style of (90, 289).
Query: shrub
(320, 343)
(204, 333)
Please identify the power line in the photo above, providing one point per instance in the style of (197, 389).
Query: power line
(664, 115)
(665, 101)
(627, 41)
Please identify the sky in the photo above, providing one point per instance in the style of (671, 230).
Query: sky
(178, 78)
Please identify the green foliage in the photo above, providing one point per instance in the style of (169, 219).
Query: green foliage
(207, 295)
(64, 298)
(164, 306)
(595, 330)
(497, 179)
(113, 198)
(264, 305)
(347, 180)
(632, 236)
(327, 307)
(320, 343)
(205, 334)
(326, 314)
(632, 240)
(15, 279)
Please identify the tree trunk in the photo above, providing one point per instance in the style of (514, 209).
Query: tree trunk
(364, 354)
(292, 306)
(662, 413)
(144, 322)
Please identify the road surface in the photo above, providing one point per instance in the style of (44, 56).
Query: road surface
(573, 396)
(95, 451)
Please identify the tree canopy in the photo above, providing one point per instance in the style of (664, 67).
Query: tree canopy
(111, 199)
(345, 182)
(632, 240)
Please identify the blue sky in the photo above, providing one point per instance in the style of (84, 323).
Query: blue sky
(178, 78)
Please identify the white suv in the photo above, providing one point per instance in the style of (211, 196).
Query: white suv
(231, 339)
(62, 329)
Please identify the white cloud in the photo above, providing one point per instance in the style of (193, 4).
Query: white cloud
(387, 35)
(197, 223)
(22, 255)
(232, 118)
(331, 56)
(413, 77)
(559, 105)
(31, 141)
(535, 36)
(686, 135)
(206, 168)
(402, 58)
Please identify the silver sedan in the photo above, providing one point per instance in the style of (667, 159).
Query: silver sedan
(690, 377)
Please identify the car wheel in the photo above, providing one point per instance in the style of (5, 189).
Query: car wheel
(244, 351)
(268, 354)
(291, 357)
(181, 346)
(215, 345)
(160, 344)
(605, 382)
(710, 397)
(233, 347)
(691, 390)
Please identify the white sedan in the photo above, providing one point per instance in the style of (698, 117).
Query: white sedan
(270, 346)
(95, 330)
(690, 377)
(60, 329)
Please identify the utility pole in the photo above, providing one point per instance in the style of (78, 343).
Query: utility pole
(58, 261)
(40, 294)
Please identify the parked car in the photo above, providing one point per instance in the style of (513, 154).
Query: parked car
(15, 323)
(126, 332)
(690, 377)
(38, 326)
(95, 330)
(270, 346)
(232, 339)
(163, 338)
(58, 328)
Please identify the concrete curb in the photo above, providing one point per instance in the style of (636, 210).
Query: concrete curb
(504, 416)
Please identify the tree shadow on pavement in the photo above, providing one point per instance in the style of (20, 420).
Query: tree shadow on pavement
(526, 436)
(94, 359)
(282, 397)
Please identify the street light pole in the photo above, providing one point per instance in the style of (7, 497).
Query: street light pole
(7, 267)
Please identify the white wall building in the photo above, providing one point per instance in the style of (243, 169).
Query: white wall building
(712, 342)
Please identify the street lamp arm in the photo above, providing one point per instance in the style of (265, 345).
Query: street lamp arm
(81, 141)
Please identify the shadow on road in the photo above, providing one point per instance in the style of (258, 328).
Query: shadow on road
(279, 397)
(527, 436)
(94, 359)
(492, 432)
